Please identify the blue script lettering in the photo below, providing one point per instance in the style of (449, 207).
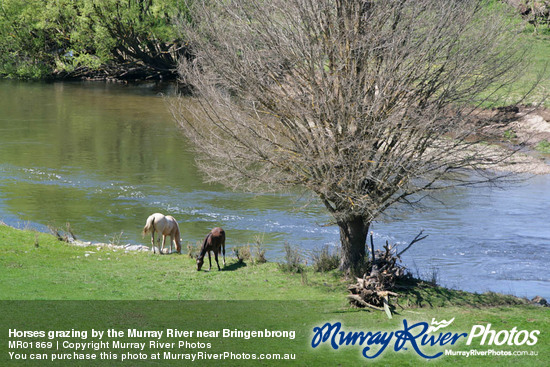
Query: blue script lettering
(441, 339)
(322, 335)
(405, 335)
(411, 334)
(339, 338)
(378, 338)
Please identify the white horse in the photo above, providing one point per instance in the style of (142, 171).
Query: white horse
(165, 226)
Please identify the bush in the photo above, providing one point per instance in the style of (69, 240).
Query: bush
(260, 254)
(194, 251)
(246, 254)
(293, 260)
(259, 249)
(325, 260)
(39, 39)
(242, 253)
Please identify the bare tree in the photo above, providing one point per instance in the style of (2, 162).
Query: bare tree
(365, 103)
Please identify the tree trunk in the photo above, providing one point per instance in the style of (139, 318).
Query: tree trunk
(353, 236)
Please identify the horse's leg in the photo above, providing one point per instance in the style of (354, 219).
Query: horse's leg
(209, 261)
(173, 241)
(176, 239)
(223, 249)
(216, 257)
(165, 237)
(153, 240)
(176, 245)
(163, 242)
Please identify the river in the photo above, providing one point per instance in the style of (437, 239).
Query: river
(105, 156)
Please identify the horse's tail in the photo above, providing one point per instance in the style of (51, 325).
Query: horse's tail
(222, 244)
(149, 225)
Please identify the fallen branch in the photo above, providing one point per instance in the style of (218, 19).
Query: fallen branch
(363, 303)
(372, 248)
(416, 239)
(376, 286)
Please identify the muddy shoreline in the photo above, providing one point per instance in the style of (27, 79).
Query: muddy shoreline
(519, 129)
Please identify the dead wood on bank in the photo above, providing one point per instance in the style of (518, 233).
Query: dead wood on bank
(376, 287)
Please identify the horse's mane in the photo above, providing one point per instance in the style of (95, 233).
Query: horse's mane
(204, 246)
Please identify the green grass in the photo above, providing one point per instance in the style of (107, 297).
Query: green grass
(56, 270)
(536, 64)
(153, 292)
(533, 79)
(538, 67)
(509, 134)
(543, 147)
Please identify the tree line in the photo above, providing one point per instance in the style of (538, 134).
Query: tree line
(133, 39)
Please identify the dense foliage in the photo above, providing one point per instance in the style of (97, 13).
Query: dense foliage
(65, 38)
(129, 39)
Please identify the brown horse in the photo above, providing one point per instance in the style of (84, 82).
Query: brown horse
(214, 241)
(165, 226)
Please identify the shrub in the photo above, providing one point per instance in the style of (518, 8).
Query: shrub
(325, 260)
(242, 253)
(255, 255)
(194, 251)
(246, 254)
(260, 254)
(259, 249)
(293, 260)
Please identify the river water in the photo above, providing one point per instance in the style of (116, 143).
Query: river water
(104, 156)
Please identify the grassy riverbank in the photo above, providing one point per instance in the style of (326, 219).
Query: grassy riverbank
(36, 266)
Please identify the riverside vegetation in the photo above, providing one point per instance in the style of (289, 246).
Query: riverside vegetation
(99, 272)
(138, 40)
(92, 39)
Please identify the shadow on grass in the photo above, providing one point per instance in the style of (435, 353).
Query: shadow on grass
(234, 266)
(419, 293)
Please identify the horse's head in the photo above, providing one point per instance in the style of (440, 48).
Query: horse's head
(200, 261)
